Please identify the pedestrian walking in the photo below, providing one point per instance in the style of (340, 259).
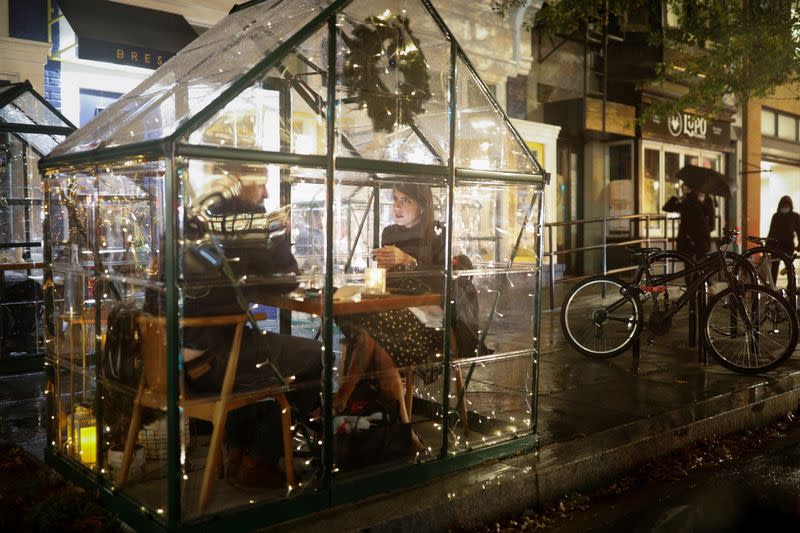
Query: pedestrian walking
(784, 226)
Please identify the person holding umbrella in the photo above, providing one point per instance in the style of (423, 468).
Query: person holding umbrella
(697, 208)
(697, 218)
(784, 226)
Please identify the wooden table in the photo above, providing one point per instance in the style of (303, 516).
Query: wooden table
(370, 304)
(25, 265)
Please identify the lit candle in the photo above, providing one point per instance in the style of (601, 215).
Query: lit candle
(89, 445)
(375, 280)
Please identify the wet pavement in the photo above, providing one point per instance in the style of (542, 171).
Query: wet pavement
(758, 491)
(580, 396)
(595, 419)
(23, 411)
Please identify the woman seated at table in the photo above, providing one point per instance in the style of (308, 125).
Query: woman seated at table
(390, 340)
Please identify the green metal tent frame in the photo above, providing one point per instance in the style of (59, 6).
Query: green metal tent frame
(332, 491)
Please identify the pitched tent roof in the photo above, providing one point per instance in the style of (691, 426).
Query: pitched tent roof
(271, 55)
(27, 115)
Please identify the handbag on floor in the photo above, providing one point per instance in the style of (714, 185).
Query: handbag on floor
(369, 431)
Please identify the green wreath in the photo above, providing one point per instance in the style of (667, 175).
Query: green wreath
(379, 45)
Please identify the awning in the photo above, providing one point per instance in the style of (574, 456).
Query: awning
(123, 34)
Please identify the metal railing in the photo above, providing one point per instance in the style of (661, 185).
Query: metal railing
(639, 232)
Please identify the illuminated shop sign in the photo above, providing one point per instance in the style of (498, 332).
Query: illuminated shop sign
(689, 129)
(121, 54)
(686, 124)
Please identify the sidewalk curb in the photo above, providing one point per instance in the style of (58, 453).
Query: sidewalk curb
(510, 486)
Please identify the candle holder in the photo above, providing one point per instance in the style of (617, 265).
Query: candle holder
(374, 280)
(82, 427)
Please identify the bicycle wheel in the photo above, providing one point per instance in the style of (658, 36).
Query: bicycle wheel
(768, 255)
(750, 330)
(741, 268)
(601, 316)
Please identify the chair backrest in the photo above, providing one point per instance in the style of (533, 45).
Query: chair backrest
(153, 337)
(153, 334)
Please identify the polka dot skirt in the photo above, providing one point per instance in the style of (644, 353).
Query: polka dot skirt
(403, 337)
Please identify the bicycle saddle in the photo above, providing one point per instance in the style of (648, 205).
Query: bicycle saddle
(635, 250)
(762, 241)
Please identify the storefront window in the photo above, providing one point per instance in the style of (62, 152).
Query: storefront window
(651, 186)
(657, 190)
(672, 164)
(620, 162)
(711, 162)
(620, 186)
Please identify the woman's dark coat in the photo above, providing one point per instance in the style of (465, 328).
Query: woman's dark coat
(697, 219)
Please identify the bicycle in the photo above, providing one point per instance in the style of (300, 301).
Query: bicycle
(770, 254)
(747, 328)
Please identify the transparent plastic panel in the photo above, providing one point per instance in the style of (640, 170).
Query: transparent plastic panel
(495, 244)
(23, 222)
(13, 115)
(70, 324)
(20, 201)
(21, 312)
(497, 400)
(34, 179)
(240, 314)
(389, 320)
(282, 112)
(484, 141)
(135, 456)
(191, 80)
(130, 226)
(128, 229)
(101, 285)
(23, 334)
(490, 217)
(34, 109)
(41, 142)
(69, 204)
(392, 83)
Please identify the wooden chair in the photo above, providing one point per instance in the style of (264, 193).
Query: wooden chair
(152, 394)
(409, 376)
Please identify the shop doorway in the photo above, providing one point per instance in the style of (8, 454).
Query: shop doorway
(659, 164)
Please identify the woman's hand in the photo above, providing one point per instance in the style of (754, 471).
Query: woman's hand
(391, 256)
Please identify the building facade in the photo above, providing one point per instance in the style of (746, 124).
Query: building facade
(585, 91)
(779, 173)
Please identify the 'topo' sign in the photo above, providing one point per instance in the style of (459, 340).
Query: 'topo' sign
(689, 125)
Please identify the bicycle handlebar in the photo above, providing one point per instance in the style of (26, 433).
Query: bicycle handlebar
(728, 237)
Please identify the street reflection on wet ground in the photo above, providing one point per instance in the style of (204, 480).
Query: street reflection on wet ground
(579, 395)
(23, 411)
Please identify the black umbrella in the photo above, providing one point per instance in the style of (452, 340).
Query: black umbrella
(705, 180)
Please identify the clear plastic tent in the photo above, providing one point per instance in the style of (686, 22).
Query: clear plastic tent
(29, 128)
(326, 111)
